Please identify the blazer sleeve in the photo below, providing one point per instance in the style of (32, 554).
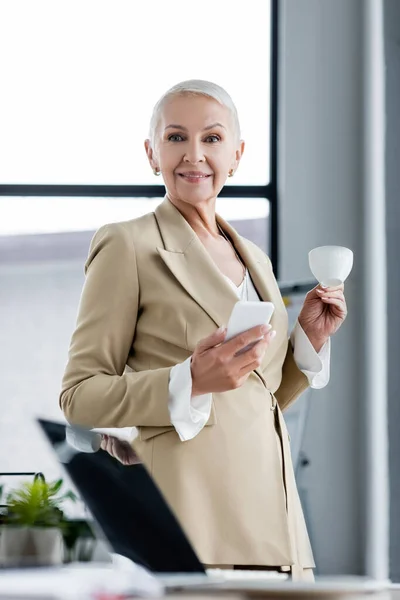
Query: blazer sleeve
(96, 392)
(293, 383)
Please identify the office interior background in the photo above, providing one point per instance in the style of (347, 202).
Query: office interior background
(319, 112)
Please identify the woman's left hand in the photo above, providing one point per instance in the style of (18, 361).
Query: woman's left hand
(323, 312)
(120, 450)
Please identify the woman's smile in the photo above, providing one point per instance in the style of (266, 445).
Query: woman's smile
(194, 176)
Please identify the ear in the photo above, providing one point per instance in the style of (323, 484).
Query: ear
(151, 155)
(238, 155)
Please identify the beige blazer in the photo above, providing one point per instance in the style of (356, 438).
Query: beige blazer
(151, 293)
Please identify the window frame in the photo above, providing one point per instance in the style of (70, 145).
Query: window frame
(269, 191)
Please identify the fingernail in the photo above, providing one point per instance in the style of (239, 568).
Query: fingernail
(265, 328)
(272, 334)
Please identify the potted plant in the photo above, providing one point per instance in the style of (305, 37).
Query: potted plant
(79, 540)
(33, 524)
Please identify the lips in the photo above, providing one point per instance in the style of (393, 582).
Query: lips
(194, 175)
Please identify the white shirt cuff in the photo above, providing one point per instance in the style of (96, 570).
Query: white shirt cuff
(188, 415)
(315, 366)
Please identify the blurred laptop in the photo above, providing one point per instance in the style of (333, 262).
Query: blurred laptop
(132, 515)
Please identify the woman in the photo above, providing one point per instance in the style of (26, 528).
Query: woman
(148, 350)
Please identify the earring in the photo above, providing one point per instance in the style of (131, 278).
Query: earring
(157, 173)
(231, 173)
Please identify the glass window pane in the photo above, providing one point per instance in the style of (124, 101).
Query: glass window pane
(61, 215)
(79, 80)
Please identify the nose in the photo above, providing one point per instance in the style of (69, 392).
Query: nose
(193, 153)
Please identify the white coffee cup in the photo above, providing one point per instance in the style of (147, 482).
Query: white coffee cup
(330, 265)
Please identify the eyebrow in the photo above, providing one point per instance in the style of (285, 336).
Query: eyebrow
(172, 126)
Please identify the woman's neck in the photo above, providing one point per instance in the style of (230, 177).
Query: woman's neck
(201, 217)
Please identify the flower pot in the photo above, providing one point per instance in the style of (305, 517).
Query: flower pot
(30, 546)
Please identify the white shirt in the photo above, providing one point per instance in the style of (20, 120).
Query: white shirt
(190, 414)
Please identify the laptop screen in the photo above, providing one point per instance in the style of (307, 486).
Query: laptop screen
(126, 504)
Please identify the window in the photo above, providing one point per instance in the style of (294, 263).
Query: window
(79, 81)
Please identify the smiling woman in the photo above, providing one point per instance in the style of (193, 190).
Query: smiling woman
(203, 133)
(150, 350)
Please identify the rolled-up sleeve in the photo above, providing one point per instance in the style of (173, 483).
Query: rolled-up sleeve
(315, 366)
(188, 414)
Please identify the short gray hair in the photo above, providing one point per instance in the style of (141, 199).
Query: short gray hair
(197, 87)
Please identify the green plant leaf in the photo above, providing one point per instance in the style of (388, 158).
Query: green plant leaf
(70, 495)
(37, 503)
(55, 487)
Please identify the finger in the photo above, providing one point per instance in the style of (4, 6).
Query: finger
(212, 340)
(108, 447)
(316, 292)
(336, 302)
(249, 368)
(336, 298)
(259, 343)
(332, 288)
(256, 353)
(123, 456)
(250, 336)
(251, 359)
(116, 446)
(334, 294)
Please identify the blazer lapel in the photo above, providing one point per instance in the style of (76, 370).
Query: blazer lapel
(265, 283)
(190, 263)
(258, 265)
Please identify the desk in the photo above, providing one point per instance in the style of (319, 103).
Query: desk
(389, 595)
(102, 582)
(285, 595)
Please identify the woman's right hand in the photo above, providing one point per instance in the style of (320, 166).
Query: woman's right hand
(217, 367)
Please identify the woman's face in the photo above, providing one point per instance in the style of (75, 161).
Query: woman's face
(195, 148)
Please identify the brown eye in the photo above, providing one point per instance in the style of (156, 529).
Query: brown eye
(213, 138)
(175, 137)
